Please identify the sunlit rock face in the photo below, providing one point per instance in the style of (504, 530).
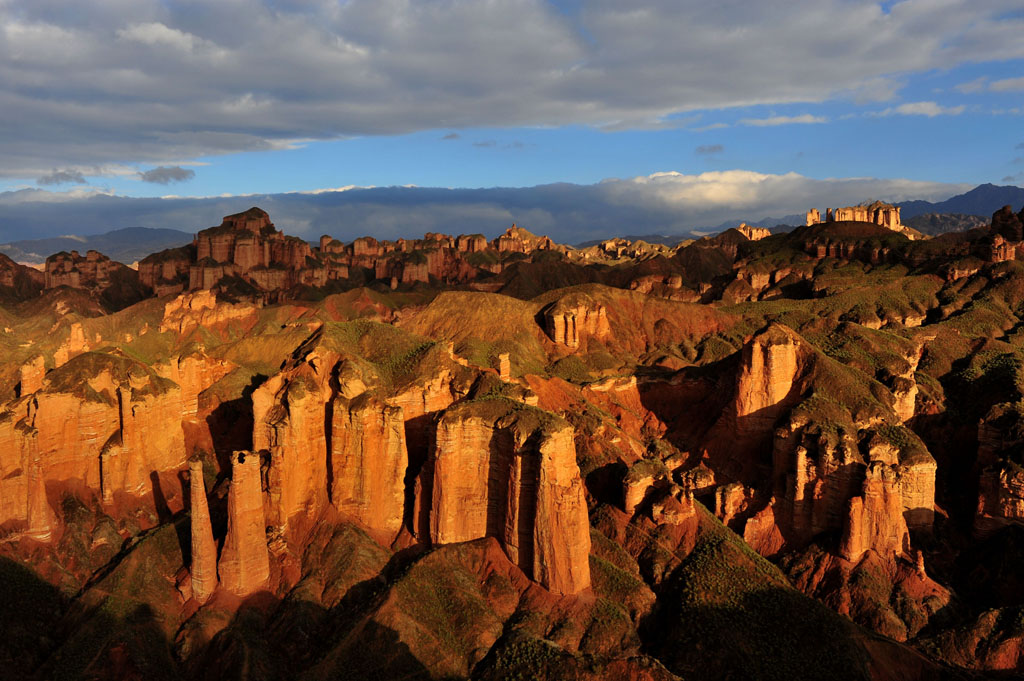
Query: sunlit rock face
(244, 565)
(495, 473)
(369, 460)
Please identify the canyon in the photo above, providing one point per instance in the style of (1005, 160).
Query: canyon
(455, 457)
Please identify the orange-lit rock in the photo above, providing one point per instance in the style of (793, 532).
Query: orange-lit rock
(32, 374)
(575, 317)
(771, 366)
(511, 473)
(875, 519)
(244, 565)
(289, 415)
(204, 550)
(369, 461)
(201, 309)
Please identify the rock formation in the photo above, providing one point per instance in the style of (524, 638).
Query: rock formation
(369, 461)
(575, 317)
(879, 213)
(204, 550)
(289, 413)
(244, 565)
(771, 364)
(32, 374)
(875, 519)
(508, 472)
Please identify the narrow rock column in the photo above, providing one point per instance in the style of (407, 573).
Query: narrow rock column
(504, 367)
(204, 550)
(41, 518)
(245, 562)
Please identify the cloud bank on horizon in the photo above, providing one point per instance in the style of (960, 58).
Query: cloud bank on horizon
(129, 91)
(661, 203)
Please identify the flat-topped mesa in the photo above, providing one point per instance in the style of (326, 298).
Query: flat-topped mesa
(507, 471)
(369, 460)
(874, 520)
(877, 212)
(575, 317)
(71, 269)
(244, 565)
(247, 245)
(204, 550)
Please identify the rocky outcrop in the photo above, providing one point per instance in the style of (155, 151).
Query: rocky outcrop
(244, 565)
(32, 375)
(753, 233)
(150, 438)
(74, 345)
(289, 416)
(575, 317)
(204, 550)
(772, 361)
(167, 272)
(369, 461)
(23, 282)
(879, 213)
(201, 309)
(1008, 224)
(508, 471)
(874, 520)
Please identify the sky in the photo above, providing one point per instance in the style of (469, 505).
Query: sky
(693, 110)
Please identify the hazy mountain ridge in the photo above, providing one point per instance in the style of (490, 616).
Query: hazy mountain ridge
(123, 245)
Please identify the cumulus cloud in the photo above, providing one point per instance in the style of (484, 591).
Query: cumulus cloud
(929, 109)
(666, 203)
(783, 120)
(708, 149)
(179, 79)
(167, 174)
(62, 177)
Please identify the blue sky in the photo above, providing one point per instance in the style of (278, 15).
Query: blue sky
(149, 98)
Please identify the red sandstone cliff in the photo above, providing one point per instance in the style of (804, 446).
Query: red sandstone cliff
(508, 472)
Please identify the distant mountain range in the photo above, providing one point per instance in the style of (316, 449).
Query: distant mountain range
(134, 243)
(123, 245)
(983, 200)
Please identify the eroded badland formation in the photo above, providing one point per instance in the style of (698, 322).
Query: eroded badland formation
(750, 456)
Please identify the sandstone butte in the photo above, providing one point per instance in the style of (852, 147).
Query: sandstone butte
(497, 456)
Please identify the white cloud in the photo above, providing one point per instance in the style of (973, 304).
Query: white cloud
(783, 120)
(143, 81)
(1007, 85)
(929, 109)
(972, 86)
